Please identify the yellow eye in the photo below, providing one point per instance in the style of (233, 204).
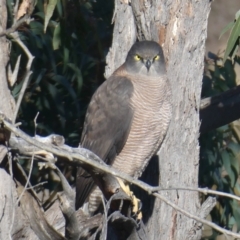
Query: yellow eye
(156, 58)
(137, 58)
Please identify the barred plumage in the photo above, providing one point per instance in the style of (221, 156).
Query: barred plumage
(128, 116)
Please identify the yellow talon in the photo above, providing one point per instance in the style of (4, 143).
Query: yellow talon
(135, 201)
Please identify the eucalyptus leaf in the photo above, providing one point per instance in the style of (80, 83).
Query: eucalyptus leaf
(56, 37)
(49, 12)
(56, 98)
(237, 15)
(40, 14)
(232, 39)
(65, 58)
(228, 27)
(235, 50)
(16, 90)
(63, 81)
(36, 27)
(77, 72)
(236, 189)
(235, 148)
(227, 165)
(236, 212)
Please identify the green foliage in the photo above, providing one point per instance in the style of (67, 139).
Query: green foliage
(49, 12)
(220, 149)
(69, 40)
(233, 41)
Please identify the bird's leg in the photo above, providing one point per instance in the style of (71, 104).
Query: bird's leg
(136, 203)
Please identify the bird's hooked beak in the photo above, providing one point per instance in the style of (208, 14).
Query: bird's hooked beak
(148, 64)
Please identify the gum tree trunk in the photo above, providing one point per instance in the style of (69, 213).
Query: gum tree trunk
(7, 105)
(180, 27)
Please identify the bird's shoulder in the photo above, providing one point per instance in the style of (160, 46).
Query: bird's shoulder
(119, 83)
(109, 115)
(116, 91)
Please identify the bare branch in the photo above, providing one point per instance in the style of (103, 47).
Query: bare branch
(35, 123)
(105, 219)
(27, 182)
(12, 76)
(202, 190)
(37, 185)
(11, 174)
(67, 200)
(87, 158)
(15, 26)
(27, 73)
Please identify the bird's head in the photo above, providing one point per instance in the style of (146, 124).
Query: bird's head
(146, 58)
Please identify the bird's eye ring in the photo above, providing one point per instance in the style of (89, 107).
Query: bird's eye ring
(156, 58)
(137, 57)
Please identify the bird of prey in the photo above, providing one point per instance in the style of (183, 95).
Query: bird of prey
(127, 118)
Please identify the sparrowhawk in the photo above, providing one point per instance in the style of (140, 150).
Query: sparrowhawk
(127, 118)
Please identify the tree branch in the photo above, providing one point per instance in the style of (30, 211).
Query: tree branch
(27, 182)
(67, 205)
(26, 75)
(85, 157)
(220, 110)
(201, 190)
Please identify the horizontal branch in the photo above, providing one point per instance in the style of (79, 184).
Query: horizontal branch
(201, 190)
(82, 156)
(220, 110)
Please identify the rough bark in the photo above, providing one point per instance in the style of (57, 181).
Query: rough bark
(180, 27)
(7, 103)
(124, 35)
(7, 193)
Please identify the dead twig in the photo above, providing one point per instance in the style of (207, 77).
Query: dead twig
(27, 75)
(205, 191)
(27, 182)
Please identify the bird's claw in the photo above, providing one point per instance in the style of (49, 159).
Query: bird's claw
(136, 209)
(136, 203)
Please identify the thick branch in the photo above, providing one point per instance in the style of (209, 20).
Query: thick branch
(220, 110)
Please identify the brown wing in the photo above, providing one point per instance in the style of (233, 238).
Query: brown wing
(106, 127)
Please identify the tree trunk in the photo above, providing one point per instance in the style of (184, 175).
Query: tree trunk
(180, 27)
(7, 193)
(7, 104)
